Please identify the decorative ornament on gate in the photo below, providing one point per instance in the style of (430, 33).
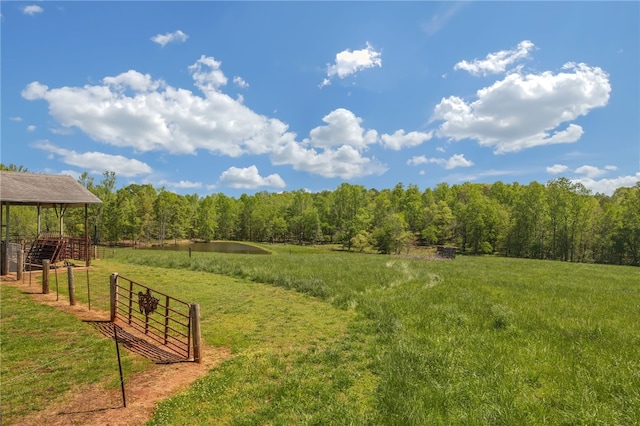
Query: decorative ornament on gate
(147, 303)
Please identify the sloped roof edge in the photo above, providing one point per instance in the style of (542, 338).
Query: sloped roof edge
(32, 189)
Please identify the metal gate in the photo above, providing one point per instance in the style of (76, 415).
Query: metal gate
(163, 319)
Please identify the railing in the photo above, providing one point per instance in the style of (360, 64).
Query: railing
(162, 318)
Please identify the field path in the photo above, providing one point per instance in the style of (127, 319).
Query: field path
(93, 405)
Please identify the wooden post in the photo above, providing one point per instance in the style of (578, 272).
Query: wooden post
(20, 264)
(45, 276)
(72, 287)
(113, 281)
(194, 313)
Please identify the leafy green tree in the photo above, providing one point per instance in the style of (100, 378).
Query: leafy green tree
(529, 222)
(628, 225)
(227, 216)
(170, 213)
(391, 236)
(206, 222)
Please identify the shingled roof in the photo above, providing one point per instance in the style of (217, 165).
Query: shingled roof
(32, 189)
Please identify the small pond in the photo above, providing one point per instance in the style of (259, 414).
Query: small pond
(215, 246)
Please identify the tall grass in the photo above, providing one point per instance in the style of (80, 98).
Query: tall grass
(478, 340)
(372, 339)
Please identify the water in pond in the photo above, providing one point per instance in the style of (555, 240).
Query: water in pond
(216, 246)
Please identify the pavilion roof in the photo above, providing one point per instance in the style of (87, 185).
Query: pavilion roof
(32, 189)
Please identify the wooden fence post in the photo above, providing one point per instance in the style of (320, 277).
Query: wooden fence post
(194, 313)
(72, 288)
(113, 293)
(45, 277)
(20, 264)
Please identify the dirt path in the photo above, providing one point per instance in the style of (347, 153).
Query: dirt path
(92, 405)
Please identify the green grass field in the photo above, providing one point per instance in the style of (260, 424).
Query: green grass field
(327, 337)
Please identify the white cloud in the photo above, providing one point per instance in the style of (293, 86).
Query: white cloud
(239, 81)
(16, 119)
(333, 150)
(249, 178)
(526, 110)
(97, 162)
(611, 168)
(152, 115)
(349, 62)
(343, 128)
(31, 128)
(176, 36)
(556, 169)
(183, 184)
(207, 74)
(608, 186)
(590, 171)
(134, 110)
(345, 162)
(457, 160)
(496, 62)
(32, 9)
(400, 139)
(132, 80)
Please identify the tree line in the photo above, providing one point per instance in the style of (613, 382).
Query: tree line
(560, 220)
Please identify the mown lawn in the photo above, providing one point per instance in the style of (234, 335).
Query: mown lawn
(322, 337)
(45, 353)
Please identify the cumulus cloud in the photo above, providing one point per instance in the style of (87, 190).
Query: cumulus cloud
(31, 128)
(608, 186)
(97, 162)
(333, 150)
(345, 162)
(32, 9)
(343, 128)
(400, 139)
(496, 62)
(456, 160)
(526, 110)
(134, 110)
(249, 178)
(556, 169)
(590, 171)
(590, 174)
(132, 80)
(207, 74)
(174, 37)
(349, 62)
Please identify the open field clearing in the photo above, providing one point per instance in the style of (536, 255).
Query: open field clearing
(326, 337)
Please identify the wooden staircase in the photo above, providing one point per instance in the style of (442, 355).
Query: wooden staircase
(46, 248)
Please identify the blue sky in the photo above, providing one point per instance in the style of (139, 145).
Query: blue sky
(240, 97)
